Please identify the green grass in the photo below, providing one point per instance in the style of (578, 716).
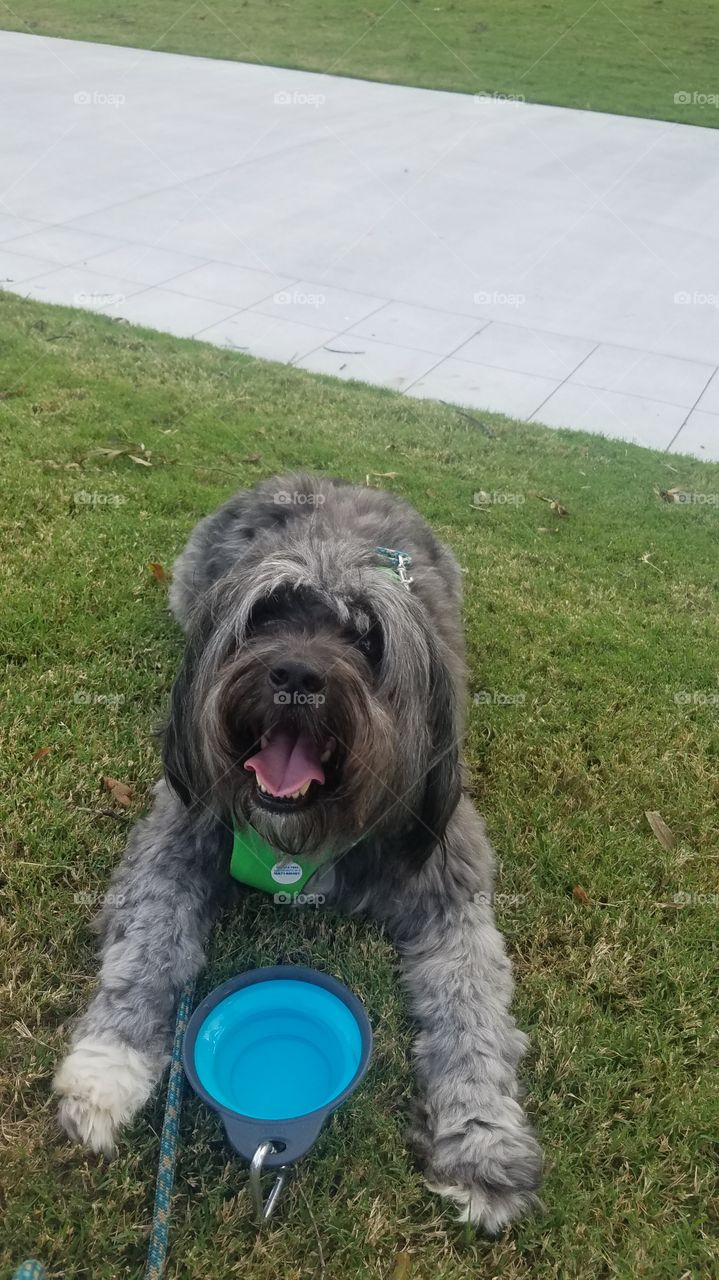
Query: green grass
(597, 619)
(630, 57)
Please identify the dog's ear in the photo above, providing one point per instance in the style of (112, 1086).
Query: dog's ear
(443, 781)
(183, 767)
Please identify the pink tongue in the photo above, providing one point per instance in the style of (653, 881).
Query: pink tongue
(287, 763)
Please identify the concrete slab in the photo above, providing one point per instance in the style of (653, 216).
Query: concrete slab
(610, 413)
(529, 259)
(482, 387)
(699, 436)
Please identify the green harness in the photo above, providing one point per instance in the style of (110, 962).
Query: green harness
(256, 863)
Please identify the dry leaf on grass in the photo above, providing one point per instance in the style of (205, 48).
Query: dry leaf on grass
(252, 458)
(647, 559)
(120, 792)
(554, 505)
(40, 753)
(127, 452)
(580, 895)
(402, 1265)
(671, 495)
(663, 833)
(110, 454)
(158, 571)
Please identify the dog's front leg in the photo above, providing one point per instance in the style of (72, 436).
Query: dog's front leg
(154, 923)
(475, 1142)
(473, 1136)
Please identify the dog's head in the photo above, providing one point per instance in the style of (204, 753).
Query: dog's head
(316, 706)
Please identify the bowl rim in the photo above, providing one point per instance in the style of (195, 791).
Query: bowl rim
(274, 973)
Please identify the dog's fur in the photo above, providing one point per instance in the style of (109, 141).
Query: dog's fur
(289, 572)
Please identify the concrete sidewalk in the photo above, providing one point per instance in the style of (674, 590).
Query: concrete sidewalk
(555, 265)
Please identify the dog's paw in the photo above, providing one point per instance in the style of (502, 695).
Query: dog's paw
(491, 1169)
(101, 1084)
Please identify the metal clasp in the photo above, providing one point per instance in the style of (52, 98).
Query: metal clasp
(402, 561)
(265, 1208)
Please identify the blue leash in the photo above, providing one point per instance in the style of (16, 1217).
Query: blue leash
(157, 1249)
(30, 1270)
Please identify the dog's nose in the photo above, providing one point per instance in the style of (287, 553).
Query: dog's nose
(297, 677)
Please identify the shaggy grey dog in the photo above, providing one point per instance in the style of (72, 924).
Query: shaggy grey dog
(320, 701)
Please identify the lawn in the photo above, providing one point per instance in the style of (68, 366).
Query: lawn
(631, 57)
(592, 649)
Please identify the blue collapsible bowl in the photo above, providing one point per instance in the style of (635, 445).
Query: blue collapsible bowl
(274, 1052)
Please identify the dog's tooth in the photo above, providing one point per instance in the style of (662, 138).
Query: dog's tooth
(264, 740)
(304, 789)
(328, 751)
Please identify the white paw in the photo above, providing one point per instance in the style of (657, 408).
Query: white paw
(490, 1166)
(101, 1084)
(491, 1211)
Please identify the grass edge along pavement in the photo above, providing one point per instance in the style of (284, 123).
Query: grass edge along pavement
(642, 58)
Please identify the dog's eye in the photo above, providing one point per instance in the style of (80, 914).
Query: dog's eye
(370, 644)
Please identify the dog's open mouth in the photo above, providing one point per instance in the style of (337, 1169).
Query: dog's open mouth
(289, 768)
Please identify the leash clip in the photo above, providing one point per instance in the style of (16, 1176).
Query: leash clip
(265, 1208)
(404, 577)
(401, 563)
